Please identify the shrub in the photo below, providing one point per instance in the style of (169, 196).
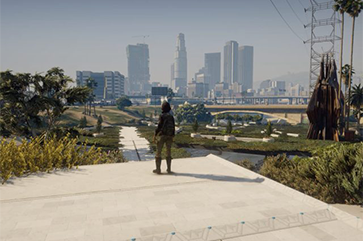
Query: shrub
(229, 127)
(334, 174)
(269, 129)
(195, 125)
(47, 154)
(246, 164)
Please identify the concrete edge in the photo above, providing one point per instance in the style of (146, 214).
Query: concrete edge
(347, 218)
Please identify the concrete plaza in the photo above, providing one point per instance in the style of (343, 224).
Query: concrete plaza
(207, 198)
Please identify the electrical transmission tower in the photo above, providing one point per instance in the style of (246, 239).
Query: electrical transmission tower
(322, 36)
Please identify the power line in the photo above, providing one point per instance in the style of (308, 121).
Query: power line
(286, 22)
(294, 12)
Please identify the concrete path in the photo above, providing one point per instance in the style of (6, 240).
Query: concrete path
(135, 148)
(207, 198)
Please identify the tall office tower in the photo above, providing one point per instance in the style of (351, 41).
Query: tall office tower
(212, 68)
(172, 76)
(245, 67)
(138, 68)
(230, 62)
(109, 85)
(180, 66)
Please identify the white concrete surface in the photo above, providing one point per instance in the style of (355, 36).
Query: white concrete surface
(135, 148)
(123, 201)
(245, 139)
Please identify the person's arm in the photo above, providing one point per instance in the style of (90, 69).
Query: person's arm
(160, 125)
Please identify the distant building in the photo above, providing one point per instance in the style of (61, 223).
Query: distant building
(245, 67)
(221, 89)
(265, 84)
(212, 68)
(279, 85)
(138, 68)
(179, 81)
(196, 90)
(230, 71)
(109, 85)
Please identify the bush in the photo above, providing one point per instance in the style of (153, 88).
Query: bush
(269, 129)
(246, 164)
(229, 127)
(195, 126)
(47, 154)
(334, 174)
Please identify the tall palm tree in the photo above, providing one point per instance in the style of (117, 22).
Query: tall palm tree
(341, 6)
(357, 102)
(354, 7)
(345, 77)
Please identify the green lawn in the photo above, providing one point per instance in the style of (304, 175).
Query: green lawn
(109, 141)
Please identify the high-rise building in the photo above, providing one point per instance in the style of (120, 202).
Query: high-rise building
(245, 67)
(212, 68)
(179, 82)
(230, 69)
(109, 85)
(138, 68)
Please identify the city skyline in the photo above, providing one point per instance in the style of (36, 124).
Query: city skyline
(36, 36)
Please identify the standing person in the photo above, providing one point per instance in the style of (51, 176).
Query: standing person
(164, 134)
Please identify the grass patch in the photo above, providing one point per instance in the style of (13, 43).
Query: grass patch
(109, 141)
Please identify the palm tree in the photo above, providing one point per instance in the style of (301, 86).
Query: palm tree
(357, 102)
(345, 77)
(354, 7)
(92, 84)
(341, 6)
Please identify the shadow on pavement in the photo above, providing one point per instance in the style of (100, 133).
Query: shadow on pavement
(219, 177)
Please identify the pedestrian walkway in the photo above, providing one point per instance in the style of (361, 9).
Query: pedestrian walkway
(207, 198)
(134, 147)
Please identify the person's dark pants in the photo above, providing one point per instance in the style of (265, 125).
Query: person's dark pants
(160, 141)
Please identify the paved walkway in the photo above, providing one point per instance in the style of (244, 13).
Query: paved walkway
(135, 148)
(207, 198)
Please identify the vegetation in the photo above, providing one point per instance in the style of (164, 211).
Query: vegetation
(28, 102)
(229, 127)
(107, 142)
(83, 122)
(123, 102)
(243, 118)
(188, 113)
(246, 164)
(333, 174)
(357, 102)
(195, 126)
(99, 124)
(269, 129)
(91, 84)
(47, 154)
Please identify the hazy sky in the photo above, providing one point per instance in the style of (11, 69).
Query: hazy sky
(92, 35)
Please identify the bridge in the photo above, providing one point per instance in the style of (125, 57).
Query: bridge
(293, 114)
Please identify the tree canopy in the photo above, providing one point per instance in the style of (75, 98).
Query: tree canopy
(123, 102)
(188, 113)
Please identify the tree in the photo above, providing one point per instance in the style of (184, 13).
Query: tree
(99, 124)
(341, 7)
(229, 127)
(29, 101)
(143, 114)
(357, 102)
(91, 84)
(195, 125)
(269, 129)
(189, 113)
(83, 122)
(123, 102)
(170, 95)
(354, 7)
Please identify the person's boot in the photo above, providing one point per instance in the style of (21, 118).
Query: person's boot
(168, 163)
(158, 164)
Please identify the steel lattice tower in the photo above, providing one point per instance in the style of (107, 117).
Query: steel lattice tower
(320, 25)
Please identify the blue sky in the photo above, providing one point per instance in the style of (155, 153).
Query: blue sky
(92, 35)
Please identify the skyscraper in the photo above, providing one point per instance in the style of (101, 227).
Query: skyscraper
(212, 68)
(138, 68)
(230, 70)
(179, 83)
(245, 67)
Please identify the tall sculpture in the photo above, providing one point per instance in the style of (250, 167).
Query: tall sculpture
(324, 107)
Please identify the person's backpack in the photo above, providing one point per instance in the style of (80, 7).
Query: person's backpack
(169, 125)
